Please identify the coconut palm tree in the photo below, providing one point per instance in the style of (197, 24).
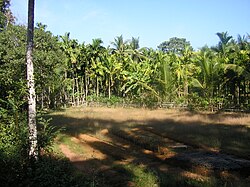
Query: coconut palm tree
(223, 43)
(119, 44)
(209, 81)
(134, 43)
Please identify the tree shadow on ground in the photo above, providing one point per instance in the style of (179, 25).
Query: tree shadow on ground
(170, 173)
(223, 138)
(231, 139)
(49, 170)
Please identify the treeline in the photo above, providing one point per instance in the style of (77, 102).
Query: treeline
(70, 73)
(207, 78)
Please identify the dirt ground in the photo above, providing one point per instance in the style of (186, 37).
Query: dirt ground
(119, 136)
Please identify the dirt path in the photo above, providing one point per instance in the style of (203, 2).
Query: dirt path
(120, 152)
(120, 149)
(94, 163)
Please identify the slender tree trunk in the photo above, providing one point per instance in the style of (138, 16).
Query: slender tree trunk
(86, 87)
(73, 89)
(97, 87)
(82, 91)
(239, 93)
(42, 99)
(244, 91)
(186, 89)
(247, 92)
(33, 151)
(64, 90)
(109, 88)
(77, 91)
(64, 97)
(49, 97)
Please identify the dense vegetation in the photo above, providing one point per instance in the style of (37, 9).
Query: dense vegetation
(173, 73)
(67, 72)
(70, 73)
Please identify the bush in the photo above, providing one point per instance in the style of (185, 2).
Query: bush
(46, 133)
(54, 171)
(113, 100)
(15, 166)
(13, 152)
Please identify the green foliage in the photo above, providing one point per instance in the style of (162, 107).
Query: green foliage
(142, 177)
(196, 102)
(13, 143)
(166, 81)
(12, 66)
(13, 131)
(47, 171)
(14, 146)
(13, 140)
(149, 76)
(54, 171)
(4, 8)
(113, 100)
(15, 167)
(174, 45)
(46, 133)
(13, 152)
(47, 58)
(66, 72)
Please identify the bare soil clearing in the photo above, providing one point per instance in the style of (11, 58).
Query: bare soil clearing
(159, 140)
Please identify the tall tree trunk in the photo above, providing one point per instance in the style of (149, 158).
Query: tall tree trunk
(86, 86)
(65, 90)
(97, 87)
(33, 151)
(244, 91)
(239, 93)
(42, 99)
(247, 91)
(73, 89)
(77, 91)
(186, 90)
(109, 88)
(49, 97)
(82, 91)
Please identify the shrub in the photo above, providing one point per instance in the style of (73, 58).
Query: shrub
(15, 166)
(54, 171)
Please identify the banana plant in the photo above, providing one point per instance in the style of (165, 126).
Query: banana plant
(139, 79)
(112, 69)
(166, 79)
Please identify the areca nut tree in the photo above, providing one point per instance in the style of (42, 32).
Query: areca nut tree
(33, 149)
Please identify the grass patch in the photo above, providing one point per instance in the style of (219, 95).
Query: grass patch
(67, 140)
(56, 149)
(142, 177)
(138, 175)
